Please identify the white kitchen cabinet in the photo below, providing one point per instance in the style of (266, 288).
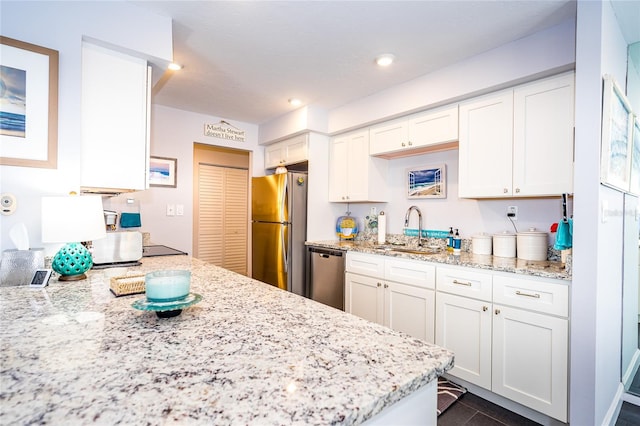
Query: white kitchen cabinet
(509, 334)
(290, 151)
(463, 325)
(406, 305)
(115, 120)
(529, 363)
(364, 297)
(543, 123)
(518, 142)
(354, 176)
(421, 132)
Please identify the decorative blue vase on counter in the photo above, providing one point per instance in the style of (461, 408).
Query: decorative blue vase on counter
(347, 227)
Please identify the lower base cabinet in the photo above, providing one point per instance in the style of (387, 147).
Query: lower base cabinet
(401, 307)
(509, 333)
(529, 359)
(514, 352)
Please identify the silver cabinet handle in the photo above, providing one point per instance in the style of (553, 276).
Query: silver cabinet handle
(484, 309)
(519, 293)
(468, 284)
(497, 311)
(517, 190)
(403, 144)
(379, 284)
(505, 190)
(410, 144)
(386, 286)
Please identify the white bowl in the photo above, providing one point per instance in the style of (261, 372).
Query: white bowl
(167, 286)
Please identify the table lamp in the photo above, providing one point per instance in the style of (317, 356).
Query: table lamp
(72, 219)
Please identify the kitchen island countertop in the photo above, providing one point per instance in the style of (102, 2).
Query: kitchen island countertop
(546, 269)
(248, 353)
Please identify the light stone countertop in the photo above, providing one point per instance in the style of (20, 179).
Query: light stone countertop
(248, 353)
(546, 269)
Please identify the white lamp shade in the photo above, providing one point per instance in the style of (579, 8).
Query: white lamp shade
(72, 218)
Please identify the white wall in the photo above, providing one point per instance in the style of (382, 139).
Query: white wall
(596, 285)
(61, 26)
(543, 53)
(173, 133)
(469, 216)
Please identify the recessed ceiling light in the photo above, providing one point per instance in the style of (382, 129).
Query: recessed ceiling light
(385, 60)
(295, 102)
(174, 67)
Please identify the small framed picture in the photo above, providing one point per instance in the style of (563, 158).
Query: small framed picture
(427, 182)
(163, 172)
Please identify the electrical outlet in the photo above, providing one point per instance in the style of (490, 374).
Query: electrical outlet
(512, 212)
(179, 209)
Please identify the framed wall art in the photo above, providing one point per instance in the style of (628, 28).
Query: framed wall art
(427, 182)
(28, 104)
(163, 172)
(634, 179)
(617, 122)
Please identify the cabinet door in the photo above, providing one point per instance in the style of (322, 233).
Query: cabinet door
(530, 359)
(114, 119)
(297, 149)
(485, 146)
(410, 309)
(358, 167)
(366, 264)
(274, 155)
(464, 326)
(465, 282)
(433, 127)
(413, 272)
(543, 137)
(364, 297)
(338, 169)
(389, 137)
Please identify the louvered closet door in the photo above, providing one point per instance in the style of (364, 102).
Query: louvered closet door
(223, 216)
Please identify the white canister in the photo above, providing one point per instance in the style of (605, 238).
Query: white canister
(504, 244)
(533, 244)
(481, 243)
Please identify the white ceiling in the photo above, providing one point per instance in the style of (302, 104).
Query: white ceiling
(244, 59)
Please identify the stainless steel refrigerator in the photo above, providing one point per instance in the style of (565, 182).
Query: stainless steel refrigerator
(279, 230)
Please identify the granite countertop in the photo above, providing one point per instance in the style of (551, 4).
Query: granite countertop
(248, 353)
(546, 269)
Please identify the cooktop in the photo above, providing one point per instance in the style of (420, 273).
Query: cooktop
(159, 250)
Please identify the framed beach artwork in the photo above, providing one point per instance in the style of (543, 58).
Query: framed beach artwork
(163, 172)
(28, 104)
(634, 180)
(617, 122)
(427, 182)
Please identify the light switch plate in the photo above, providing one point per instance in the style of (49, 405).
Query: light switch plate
(179, 209)
(171, 209)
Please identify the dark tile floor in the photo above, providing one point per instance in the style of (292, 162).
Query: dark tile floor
(471, 410)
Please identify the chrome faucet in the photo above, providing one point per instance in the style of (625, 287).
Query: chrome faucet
(406, 222)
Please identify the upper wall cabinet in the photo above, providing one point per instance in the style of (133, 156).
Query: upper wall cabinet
(115, 120)
(355, 176)
(422, 132)
(289, 151)
(518, 142)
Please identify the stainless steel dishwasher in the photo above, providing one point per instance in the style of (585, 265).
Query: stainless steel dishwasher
(325, 277)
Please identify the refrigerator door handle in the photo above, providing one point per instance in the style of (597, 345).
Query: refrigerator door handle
(283, 200)
(284, 250)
